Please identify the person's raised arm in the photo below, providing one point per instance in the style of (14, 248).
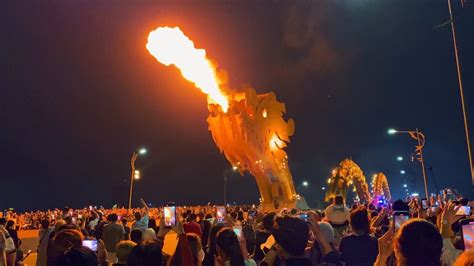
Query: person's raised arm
(147, 210)
(376, 222)
(385, 247)
(326, 247)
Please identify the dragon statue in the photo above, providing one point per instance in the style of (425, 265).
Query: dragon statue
(252, 134)
(345, 175)
(380, 187)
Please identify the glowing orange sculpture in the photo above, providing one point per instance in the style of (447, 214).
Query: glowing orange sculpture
(248, 128)
(347, 174)
(380, 187)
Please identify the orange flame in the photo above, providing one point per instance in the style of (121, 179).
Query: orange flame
(171, 47)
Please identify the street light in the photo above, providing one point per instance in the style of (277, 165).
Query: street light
(420, 138)
(305, 183)
(405, 185)
(323, 188)
(135, 174)
(399, 158)
(226, 173)
(402, 172)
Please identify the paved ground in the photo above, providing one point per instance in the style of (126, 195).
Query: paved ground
(30, 241)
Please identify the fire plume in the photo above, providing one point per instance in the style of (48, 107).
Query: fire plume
(171, 47)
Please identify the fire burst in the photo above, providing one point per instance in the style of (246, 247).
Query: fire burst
(171, 47)
(247, 127)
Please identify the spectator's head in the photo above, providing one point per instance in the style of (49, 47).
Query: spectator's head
(327, 231)
(152, 223)
(465, 259)
(112, 217)
(464, 201)
(418, 243)
(59, 224)
(147, 253)
(136, 236)
(3, 221)
(192, 217)
(228, 247)
(360, 221)
(233, 215)
(123, 249)
(149, 234)
(124, 222)
(138, 216)
(10, 224)
(45, 223)
(338, 200)
(66, 239)
(291, 236)
(78, 256)
(293, 211)
(68, 219)
(399, 205)
(268, 221)
(196, 250)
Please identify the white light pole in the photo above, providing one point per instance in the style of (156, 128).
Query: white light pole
(420, 138)
(135, 174)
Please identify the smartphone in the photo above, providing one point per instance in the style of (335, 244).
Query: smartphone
(90, 208)
(74, 220)
(399, 218)
(92, 244)
(220, 214)
(79, 216)
(464, 211)
(304, 217)
(424, 204)
(169, 212)
(467, 230)
(238, 231)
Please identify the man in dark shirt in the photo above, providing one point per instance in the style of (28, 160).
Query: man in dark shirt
(359, 247)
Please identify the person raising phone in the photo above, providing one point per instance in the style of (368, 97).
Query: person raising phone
(141, 217)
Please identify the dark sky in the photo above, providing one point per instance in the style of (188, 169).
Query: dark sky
(79, 93)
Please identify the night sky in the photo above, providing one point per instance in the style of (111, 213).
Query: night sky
(79, 93)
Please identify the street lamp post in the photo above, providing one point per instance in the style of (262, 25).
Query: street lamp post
(135, 174)
(226, 173)
(420, 138)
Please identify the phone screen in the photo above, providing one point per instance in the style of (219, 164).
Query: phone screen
(304, 216)
(424, 204)
(237, 230)
(92, 244)
(220, 214)
(399, 219)
(170, 215)
(464, 211)
(468, 235)
(74, 220)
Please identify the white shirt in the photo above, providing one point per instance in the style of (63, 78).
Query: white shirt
(337, 214)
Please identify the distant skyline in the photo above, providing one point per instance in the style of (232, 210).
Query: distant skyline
(80, 93)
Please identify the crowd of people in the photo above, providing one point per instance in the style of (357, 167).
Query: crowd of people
(399, 233)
